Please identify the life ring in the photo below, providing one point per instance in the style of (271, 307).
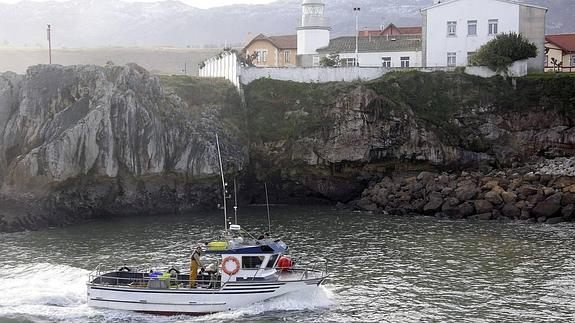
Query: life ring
(225, 268)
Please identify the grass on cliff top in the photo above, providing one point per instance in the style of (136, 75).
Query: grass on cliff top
(285, 110)
(197, 91)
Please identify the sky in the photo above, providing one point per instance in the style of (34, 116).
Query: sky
(195, 3)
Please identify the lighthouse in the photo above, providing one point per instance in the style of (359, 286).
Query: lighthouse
(313, 32)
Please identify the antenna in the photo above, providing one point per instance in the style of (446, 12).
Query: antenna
(223, 182)
(268, 208)
(49, 33)
(235, 202)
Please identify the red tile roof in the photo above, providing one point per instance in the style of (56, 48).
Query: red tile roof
(281, 42)
(565, 41)
(391, 29)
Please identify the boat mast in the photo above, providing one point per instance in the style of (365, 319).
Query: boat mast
(223, 183)
(268, 208)
(235, 202)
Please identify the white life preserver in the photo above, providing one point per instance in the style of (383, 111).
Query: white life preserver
(234, 261)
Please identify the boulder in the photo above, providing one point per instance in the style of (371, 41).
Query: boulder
(547, 191)
(563, 181)
(367, 205)
(483, 206)
(493, 197)
(466, 192)
(484, 216)
(433, 205)
(541, 219)
(568, 198)
(531, 177)
(568, 212)
(528, 190)
(554, 220)
(511, 211)
(569, 189)
(525, 215)
(464, 210)
(549, 207)
(509, 197)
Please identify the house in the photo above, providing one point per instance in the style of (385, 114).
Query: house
(453, 30)
(391, 30)
(377, 51)
(560, 53)
(273, 51)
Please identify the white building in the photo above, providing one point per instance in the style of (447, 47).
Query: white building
(313, 32)
(391, 51)
(455, 29)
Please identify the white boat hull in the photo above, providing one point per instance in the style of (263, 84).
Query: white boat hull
(192, 301)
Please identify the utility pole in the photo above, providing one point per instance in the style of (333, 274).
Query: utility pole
(185, 70)
(49, 31)
(357, 10)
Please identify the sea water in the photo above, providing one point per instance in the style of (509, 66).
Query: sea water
(383, 268)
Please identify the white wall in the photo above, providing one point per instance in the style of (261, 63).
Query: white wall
(374, 59)
(309, 40)
(438, 44)
(517, 69)
(312, 75)
(225, 66)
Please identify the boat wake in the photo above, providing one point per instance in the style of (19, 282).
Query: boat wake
(47, 292)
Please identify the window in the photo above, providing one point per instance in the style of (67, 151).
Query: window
(386, 61)
(272, 261)
(451, 28)
(470, 57)
(493, 26)
(252, 262)
(451, 59)
(350, 62)
(405, 61)
(316, 61)
(287, 56)
(572, 60)
(472, 28)
(262, 56)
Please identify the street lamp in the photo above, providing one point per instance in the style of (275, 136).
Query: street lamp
(357, 10)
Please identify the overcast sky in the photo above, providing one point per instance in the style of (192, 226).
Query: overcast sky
(195, 3)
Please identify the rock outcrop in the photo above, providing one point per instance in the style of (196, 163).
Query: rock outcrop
(89, 141)
(511, 194)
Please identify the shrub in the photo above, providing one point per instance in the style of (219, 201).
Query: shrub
(331, 60)
(499, 53)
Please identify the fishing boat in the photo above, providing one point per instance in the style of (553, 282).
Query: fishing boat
(240, 270)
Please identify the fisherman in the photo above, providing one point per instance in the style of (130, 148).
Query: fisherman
(195, 263)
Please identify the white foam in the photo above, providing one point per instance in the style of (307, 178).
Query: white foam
(317, 298)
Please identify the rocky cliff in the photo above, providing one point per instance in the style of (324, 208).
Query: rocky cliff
(333, 140)
(86, 141)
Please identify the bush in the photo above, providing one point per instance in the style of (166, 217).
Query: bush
(331, 60)
(499, 53)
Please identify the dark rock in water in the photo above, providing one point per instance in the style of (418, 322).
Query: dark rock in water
(549, 207)
(464, 210)
(554, 220)
(483, 206)
(568, 212)
(484, 216)
(433, 205)
(367, 205)
(511, 211)
(568, 198)
(541, 219)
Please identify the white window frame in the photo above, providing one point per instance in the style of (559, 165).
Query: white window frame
(470, 24)
(451, 59)
(469, 54)
(386, 61)
(493, 27)
(405, 61)
(262, 56)
(316, 61)
(573, 60)
(287, 56)
(451, 28)
(350, 62)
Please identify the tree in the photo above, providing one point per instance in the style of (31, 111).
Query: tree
(499, 53)
(331, 60)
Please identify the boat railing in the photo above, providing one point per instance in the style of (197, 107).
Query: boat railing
(139, 279)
